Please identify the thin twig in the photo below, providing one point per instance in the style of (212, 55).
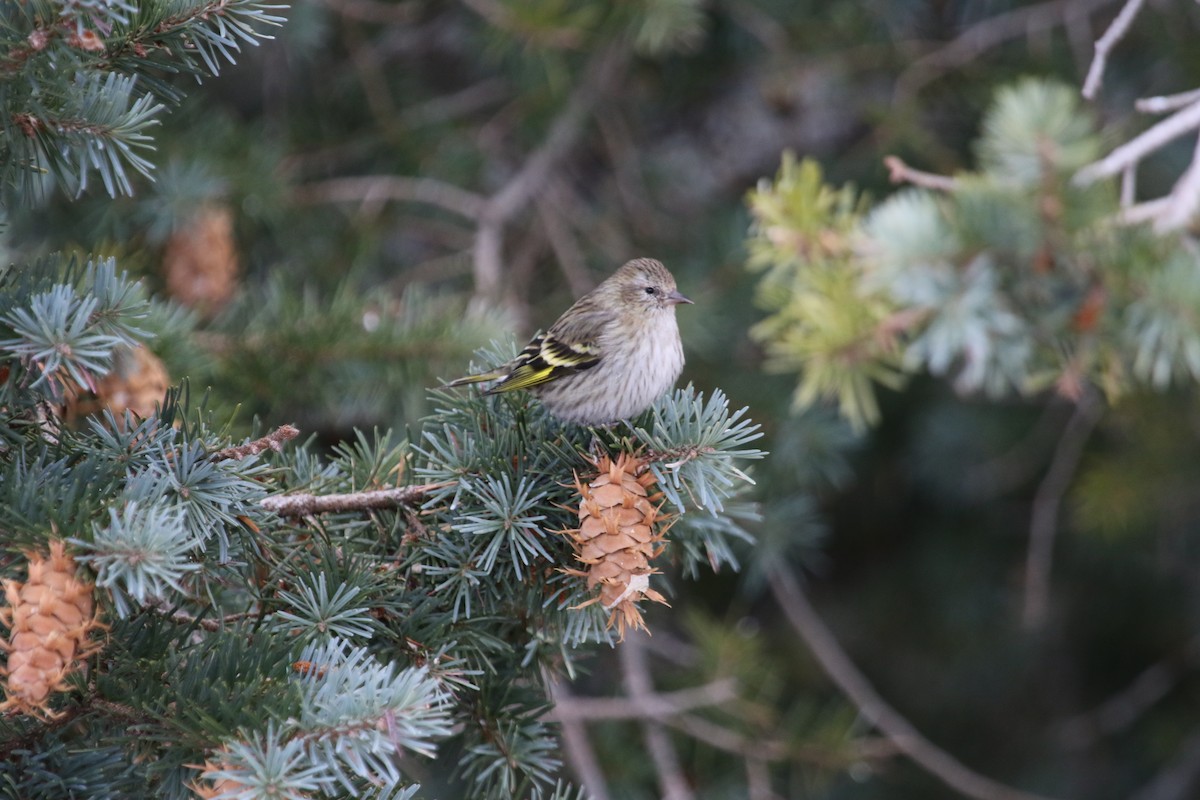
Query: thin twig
(1133, 151)
(501, 17)
(272, 441)
(374, 11)
(987, 34)
(516, 194)
(1104, 45)
(1179, 780)
(207, 623)
(1128, 705)
(299, 505)
(1043, 523)
(1018, 464)
(1168, 102)
(553, 210)
(1184, 199)
(899, 172)
(442, 109)
(654, 706)
(376, 188)
(578, 746)
(636, 676)
(842, 671)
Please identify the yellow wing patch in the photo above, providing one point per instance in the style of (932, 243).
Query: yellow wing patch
(545, 359)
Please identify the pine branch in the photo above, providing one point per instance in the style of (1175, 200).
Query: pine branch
(272, 441)
(303, 504)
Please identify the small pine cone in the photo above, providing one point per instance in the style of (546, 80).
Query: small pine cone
(138, 382)
(207, 787)
(49, 618)
(617, 538)
(200, 262)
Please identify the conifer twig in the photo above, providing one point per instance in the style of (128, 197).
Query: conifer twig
(842, 671)
(272, 441)
(303, 504)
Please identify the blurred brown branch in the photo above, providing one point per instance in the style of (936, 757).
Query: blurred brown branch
(600, 78)
(1043, 523)
(987, 34)
(872, 706)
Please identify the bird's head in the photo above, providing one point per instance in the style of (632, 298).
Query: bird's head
(647, 284)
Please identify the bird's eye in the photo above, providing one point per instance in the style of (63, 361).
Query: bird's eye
(651, 290)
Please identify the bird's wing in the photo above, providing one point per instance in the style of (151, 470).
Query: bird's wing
(546, 358)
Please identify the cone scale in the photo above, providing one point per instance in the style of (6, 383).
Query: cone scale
(49, 617)
(620, 532)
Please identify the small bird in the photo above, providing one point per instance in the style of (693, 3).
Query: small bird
(609, 356)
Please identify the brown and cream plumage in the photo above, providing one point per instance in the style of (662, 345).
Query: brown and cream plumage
(609, 356)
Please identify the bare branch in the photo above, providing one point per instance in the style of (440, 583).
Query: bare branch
(907, 739)
(1104, 45)
(1043, 524)
(498, 15)
(655, 706)
(377, 188)
(1164, 103)
(1179, 780)
(299, 505)
(899, 172)
(515, 195)
(1133, 151)
(1024, 459)
(580, 754)
(374, 11)
(1129, 705)
(636, 674)
(990, 33)
(272, 441)
(1184, 199)
(207, 623)
(553, 209)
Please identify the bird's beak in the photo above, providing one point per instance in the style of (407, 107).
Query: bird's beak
(675, 298)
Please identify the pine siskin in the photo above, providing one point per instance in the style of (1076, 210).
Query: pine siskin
(609, 356)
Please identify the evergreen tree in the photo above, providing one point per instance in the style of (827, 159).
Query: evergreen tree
(261, 619)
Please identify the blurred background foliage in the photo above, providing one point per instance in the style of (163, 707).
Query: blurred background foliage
(347, 214)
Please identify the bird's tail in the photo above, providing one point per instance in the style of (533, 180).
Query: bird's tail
(483, 377)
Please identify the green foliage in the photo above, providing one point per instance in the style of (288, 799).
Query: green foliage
(62, 322)
(69, 82)
(414, 628)
(821, 319)
(1007, 281)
